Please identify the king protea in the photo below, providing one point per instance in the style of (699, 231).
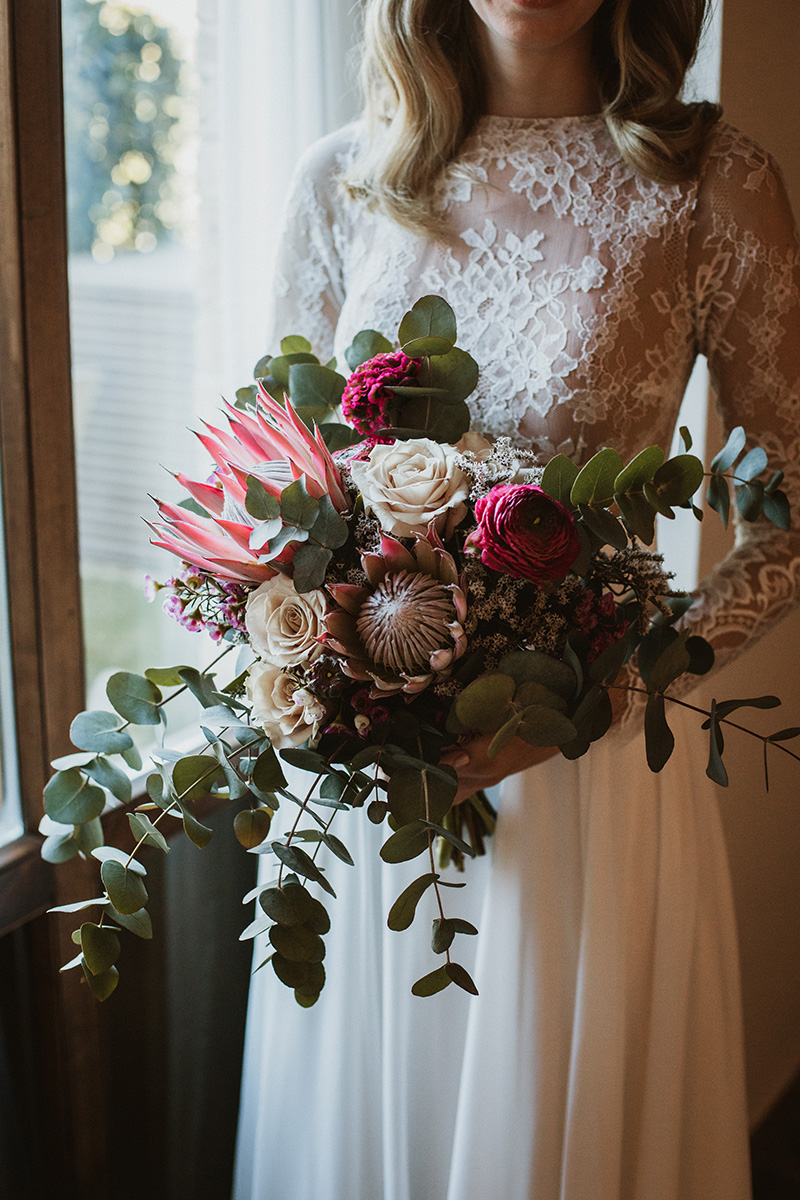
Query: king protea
(270, 443)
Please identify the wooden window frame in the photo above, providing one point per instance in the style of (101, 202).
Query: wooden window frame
(40, 517)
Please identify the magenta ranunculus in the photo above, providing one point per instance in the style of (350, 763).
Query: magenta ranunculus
(366, 398)
(524, 533)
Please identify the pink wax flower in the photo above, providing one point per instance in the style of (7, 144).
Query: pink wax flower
(366, 399)
(524, 533)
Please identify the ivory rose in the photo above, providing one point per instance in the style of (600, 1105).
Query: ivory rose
(284, 626)
(524, 533)
(409, 484)
(288, 714)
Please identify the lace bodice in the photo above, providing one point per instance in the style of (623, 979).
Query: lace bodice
(585, 293)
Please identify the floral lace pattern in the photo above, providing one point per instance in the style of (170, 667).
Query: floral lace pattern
(585, 294)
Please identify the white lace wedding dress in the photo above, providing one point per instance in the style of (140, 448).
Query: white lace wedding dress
(603, 1058)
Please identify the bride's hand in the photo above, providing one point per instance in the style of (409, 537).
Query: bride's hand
(476, 771)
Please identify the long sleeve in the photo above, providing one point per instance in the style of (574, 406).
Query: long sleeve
(308, 287)
(747, 290)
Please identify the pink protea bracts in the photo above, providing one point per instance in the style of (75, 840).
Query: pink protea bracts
(524, 533)
(273, 445)
(366, 399)
(406, 627)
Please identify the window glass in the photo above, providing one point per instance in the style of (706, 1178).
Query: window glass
(130, 89)
(10, 815)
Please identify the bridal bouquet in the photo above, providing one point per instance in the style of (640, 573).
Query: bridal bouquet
(394, 584)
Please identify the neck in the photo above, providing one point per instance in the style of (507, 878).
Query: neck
(524, 81)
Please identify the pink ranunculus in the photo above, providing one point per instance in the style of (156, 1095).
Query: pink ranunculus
(524, 533)
(366, 399)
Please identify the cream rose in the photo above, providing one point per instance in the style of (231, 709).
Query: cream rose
(283, 625)
(281, 705)
(409, 484)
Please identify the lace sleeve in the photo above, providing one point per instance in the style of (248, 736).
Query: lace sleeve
(747, 291)
(308, 289)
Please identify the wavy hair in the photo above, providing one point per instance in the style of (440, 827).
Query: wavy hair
(424, 89)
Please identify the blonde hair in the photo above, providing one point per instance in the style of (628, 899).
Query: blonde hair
(424, 90)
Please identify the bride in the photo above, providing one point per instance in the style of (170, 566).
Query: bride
(529, 161)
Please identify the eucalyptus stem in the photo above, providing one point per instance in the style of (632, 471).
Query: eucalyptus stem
(764, 738)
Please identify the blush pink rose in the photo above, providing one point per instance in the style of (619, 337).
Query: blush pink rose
(524, 533)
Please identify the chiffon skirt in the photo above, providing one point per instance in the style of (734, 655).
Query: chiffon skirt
(602, 1059)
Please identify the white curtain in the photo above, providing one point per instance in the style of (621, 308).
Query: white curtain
(275, 76)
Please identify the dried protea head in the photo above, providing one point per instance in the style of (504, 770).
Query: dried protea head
(405, 628)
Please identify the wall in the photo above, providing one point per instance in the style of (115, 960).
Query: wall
(760, 54)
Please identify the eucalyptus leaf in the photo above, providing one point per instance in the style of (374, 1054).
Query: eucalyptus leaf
(71, 799)
(113, 853)
(337, 436)
(686, 438)
(750, 500)
(658, 737)
(604, 525)
(456, 372)
(295, 344)
(594, 483)
(504, 735)
(655, 500)
(297, 860)
(125, 887)
(297, 943)
(110, 777)
(143, 828)
(640, 470)
(89, 836)
(337, 847)
(99, 732)
(251, 826)
(672, 662)
(485, 703)
(532, 666)
(292, 974)
(558, 478)
(543, 726)
(330, 529)
(281, 365)
(101, 986)
(718, 497)
(194, 775)
(730, 451)
(715, 769)
(430, 318)
(404, 909)
(138, 922)
(100, 947)
(460, 977)
(268, 775)
(638, 515)
(677, 480)
(364, 346)
(315, 387)
(432, 983)
(260, 503)
(310, 565)
(753, 463)
(776, 509)
(297, 506)
(196, 832)
(135, 698)
(406, 843)
(59, 847)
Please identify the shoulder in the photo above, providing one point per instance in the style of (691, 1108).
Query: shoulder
(741, 184)
(323, 163)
